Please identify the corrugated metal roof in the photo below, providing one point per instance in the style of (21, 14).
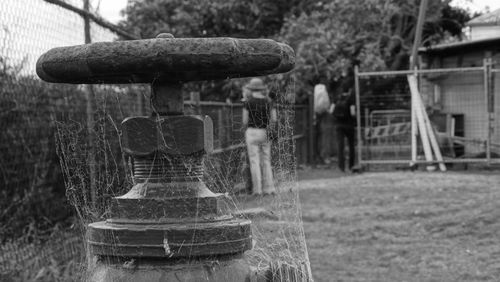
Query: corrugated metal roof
(492, 18)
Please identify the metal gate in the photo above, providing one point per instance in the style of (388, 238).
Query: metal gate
(462, 105)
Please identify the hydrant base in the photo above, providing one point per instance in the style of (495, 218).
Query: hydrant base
(208, 270)
(174, 240)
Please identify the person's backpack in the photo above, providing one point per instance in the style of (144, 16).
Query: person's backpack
(342, 109)
(321, 99)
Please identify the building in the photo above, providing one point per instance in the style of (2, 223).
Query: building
(463, 101)
(485, 26)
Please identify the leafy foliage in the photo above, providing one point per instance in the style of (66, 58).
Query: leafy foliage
(215, 18)
(329, 37)
(374, 34)
(195, 18)
(32, 197)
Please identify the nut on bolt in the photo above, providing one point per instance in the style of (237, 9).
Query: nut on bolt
(175, 135)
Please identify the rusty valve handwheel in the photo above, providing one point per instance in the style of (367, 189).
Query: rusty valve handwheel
(165, 59)
(169, 212)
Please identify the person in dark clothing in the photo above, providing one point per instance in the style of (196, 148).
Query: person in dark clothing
(344, 113)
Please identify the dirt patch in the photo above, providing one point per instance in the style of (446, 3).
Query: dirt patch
(403, 226)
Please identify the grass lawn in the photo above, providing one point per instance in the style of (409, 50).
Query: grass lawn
(402, 226)
(384, 226)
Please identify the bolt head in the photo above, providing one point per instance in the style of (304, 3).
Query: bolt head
(175, 135)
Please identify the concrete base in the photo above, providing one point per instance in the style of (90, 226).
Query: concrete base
(156, 270)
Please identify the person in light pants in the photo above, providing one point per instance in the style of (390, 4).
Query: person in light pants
(259, 114)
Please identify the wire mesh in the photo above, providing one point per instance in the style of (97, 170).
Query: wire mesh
(28, 160)
(456, 101)
(385, 119)
(61, 143)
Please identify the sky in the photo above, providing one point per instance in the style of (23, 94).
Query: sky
(110, 9)
(477, 5)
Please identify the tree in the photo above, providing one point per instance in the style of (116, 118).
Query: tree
(196, 18)
(329, 36)
(201, 18)
(373, 34)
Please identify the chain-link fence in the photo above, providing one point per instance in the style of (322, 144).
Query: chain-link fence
(461, 104)
(33, 195)
(43, 124)
(30, 174)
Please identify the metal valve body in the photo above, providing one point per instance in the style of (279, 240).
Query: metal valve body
(170, 225)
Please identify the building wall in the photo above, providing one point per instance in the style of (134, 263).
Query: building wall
(484, 32)
(461, 93)
(471, 59)
(464, 94)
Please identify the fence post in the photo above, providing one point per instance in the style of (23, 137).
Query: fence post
(90, 99)
(358, 113)
(367, 143)
(194, 96)
(489, 91)
(414, 128)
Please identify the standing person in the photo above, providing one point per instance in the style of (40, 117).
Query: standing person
(247, 176)
(344, 113)
(321, 119)
(259, 114)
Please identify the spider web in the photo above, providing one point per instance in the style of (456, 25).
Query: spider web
(89, 155)
(96, 172)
